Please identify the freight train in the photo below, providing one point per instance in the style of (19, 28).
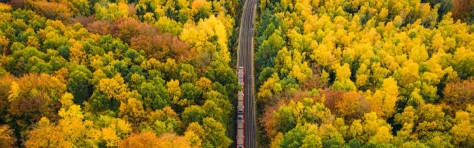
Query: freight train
(240, 111)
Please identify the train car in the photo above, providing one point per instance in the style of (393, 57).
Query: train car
(240, 75)
(240, 131)
(240, 139)
(240, 95)
(240, 103)
(240, 122)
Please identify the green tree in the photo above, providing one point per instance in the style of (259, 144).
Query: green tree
(193, 113)
(25, 60)
(187, 73)
(79, 84)
(293, 138)
(266, 53)
(215, 134)
(190, 92)
(82, 6)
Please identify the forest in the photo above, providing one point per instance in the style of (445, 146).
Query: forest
(365, 73)
(161, 73)
(117, 73)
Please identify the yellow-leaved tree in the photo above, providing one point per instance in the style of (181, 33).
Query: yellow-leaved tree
(386, 97)
(114, 88)
(269, 88)
(132, 111)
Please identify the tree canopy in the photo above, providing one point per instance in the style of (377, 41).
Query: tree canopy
(102, 73)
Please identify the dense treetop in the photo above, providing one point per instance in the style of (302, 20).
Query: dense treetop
(160, 73)
(334, 73)
(146, 73)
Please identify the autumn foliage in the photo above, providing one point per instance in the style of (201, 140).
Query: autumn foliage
(7, 139)
(154, 73)
(373, 73)
(78, 73)
(349, 105)
(459, 94)
(464, 10)
(160, 46)
(149, 139)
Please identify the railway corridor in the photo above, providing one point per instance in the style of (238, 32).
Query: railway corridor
(245, 60)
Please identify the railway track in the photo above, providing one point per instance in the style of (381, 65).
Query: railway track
(245, 60)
